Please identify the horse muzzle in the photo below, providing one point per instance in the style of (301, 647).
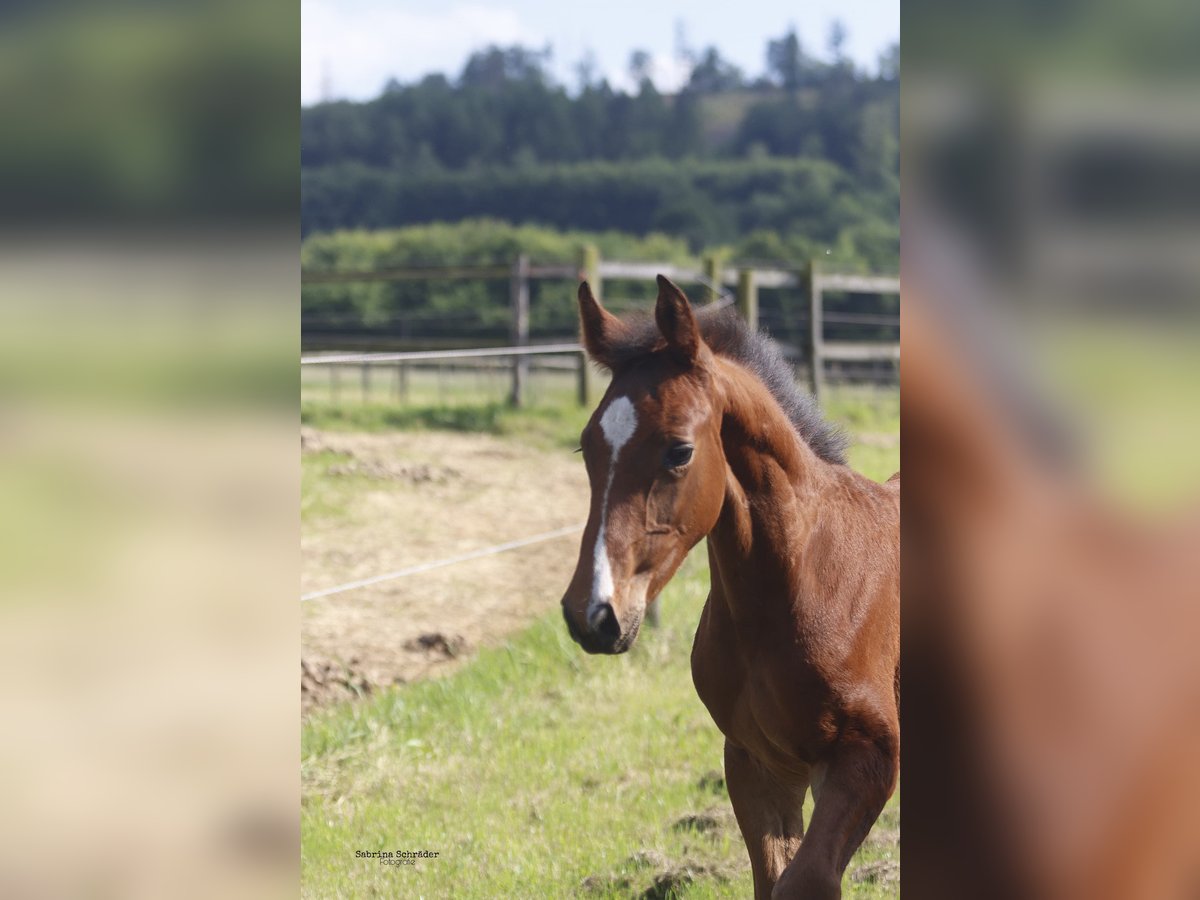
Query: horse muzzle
(602, 632)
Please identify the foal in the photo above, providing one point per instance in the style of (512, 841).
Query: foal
(702, 433)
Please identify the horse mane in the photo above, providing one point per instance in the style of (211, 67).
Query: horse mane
(727, 335)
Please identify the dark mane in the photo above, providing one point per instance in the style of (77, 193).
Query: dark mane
(727, 335)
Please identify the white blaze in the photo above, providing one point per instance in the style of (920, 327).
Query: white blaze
(618, 425)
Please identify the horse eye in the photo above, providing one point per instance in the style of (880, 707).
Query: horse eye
(678, 456)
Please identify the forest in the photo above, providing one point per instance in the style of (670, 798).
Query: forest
(503, 139)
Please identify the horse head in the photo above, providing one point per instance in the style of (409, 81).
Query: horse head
(655, 464)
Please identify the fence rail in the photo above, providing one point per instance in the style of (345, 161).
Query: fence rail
(327, 359)
(401, 362)
(746, 280)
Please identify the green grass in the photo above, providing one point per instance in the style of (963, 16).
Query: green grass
(545, 426)
(556, 423)
(530, 770)
(861, 409)
(879, 463)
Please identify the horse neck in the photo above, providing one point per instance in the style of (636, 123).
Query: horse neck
(773, 482)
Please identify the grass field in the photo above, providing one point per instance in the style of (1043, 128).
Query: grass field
(538, 771)
(554, 418)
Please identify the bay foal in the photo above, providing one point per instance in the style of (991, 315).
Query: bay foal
(702, 433)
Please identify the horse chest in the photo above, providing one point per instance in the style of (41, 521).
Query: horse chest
(761, 704)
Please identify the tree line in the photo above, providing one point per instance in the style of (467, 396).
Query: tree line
(808, 146)
(504, 108)
(705, 202)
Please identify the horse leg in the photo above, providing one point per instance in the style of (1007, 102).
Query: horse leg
(769, 815)
(850, 792)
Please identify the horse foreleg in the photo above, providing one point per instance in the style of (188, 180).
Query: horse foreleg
(769, 815)
(850, 791)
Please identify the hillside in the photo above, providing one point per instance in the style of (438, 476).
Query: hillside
(814, 152)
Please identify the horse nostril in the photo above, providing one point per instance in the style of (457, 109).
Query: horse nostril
(603, 622)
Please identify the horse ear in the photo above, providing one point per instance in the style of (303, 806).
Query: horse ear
(598, 327)
(677, 322)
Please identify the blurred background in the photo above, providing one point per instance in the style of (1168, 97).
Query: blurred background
(463, 167)
(1052, 360)
(148, 336)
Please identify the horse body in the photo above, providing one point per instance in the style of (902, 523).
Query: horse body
(797, 652)
(785, 664)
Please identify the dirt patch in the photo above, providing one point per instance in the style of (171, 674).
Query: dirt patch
(884, 871)
(436, 644)
(415, 474)
(886, 832)
(882, 836)
(648, 859)
(712, 782)
(656, 878)
(606, 884)
(413, 498)
(674, 881)
(711, 822)
(652, 875)
(330, 682)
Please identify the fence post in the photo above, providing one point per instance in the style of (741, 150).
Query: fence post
(333, 384)
(712, 273)
(401, 381)
(747, 298)
(816, 331)
(581, 378)
(366, 382)
(519, 292)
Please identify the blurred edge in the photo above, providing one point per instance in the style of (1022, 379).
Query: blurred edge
(1049, 399)
(148, 533)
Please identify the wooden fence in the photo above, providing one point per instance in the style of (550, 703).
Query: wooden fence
(743, 283)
